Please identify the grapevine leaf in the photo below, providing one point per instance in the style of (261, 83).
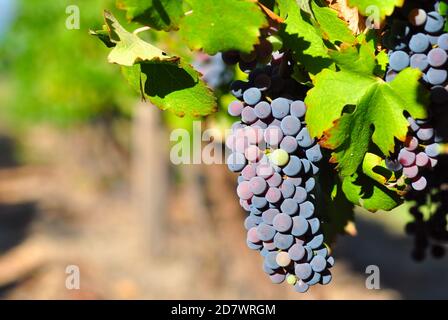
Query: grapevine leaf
(104, 36)
(215, 26)
(176, 88)
(158, 14)
(129, 48)
(304, 39)
(374, 167)
(357, 59)
(333, 28)
(371, 195)
(382, 8)
(378, 109)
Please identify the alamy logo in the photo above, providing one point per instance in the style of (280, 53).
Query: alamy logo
(73, 280)
(73, 21)
(373, 280)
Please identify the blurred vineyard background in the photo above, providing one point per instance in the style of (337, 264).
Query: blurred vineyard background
(85, 180)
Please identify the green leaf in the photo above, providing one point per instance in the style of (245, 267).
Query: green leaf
(104, 36)
(129, 48)
(333, 28)
(383, 7)
(176, 88)
(215, 26)
(304, 38)
(377, 115)
(374, 167)
(360, 190)
(158, 14)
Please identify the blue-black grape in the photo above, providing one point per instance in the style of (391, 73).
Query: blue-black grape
(278, 160)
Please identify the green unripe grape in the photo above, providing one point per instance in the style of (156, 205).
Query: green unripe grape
(291, 279)
(279, 157)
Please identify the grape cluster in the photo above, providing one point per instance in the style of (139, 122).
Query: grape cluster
(416, 38)
(277, 160)
(429, 212)
(418, 153)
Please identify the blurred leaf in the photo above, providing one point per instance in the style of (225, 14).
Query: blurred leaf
(158, 14)
(384, 7)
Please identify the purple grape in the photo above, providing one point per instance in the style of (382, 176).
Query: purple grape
(293, 167)
(252, 96)
(289, 206)
(282, 223)
(406, 158)
(296, 252)
(304, 139)
(436, 76)
(434, 22)
(419, 43)
(280, 108)
(419, 61)
(425, 134)
(299, 226)
(235, 108)
(269, 215)
(301, 286)
(252, 222)
(314, 225)
(271, 260)
(318, 263)
(277, 277)
(252, 235)
(442, 41)
(287, 189)
(263, 110)
(417, 17)
(290, 125)
(422, 159)
(259, 202)
(298, 109)
(257, 185)
(300, 195)
(316, 242)
(419, 184)
(437, 57)
(289, 144)
(283, 241)
(265, 232)
(248, 115)
(303, 270)
(315, 279)
(411, 172)
(273, 135)
(236, 162)
(275, 181)
(399, 60)
(273, 195)
(432, 150)
(314, 154)
(310, 184)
